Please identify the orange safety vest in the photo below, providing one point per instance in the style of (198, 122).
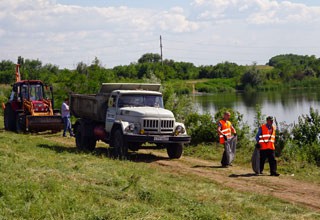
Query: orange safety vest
(225, 129)
(267, 138)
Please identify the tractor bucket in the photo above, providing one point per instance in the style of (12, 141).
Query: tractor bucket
(44, 123)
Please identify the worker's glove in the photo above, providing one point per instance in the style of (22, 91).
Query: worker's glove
(225, 137)
(257, 145)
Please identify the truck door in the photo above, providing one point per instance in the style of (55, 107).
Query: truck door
(111, 112)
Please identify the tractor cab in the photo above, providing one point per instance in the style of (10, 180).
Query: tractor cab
(31, 96)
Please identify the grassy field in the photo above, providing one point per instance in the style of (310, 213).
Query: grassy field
(45, 177)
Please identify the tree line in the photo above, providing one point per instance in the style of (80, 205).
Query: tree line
(87, 78)
(280, 71)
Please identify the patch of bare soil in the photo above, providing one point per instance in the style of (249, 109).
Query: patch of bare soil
(243, 179)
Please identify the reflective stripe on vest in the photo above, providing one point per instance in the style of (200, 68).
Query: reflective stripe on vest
(267, 138)
(225, 129)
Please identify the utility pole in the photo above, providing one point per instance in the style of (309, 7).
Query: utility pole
(161, 50)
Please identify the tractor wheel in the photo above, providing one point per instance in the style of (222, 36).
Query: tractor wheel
(9, 118)
(175, 150)
(120, 147)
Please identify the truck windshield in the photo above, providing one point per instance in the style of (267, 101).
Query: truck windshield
(140, 100)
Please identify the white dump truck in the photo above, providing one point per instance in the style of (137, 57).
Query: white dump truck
(126, 116)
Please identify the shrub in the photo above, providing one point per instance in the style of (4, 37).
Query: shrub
(202, 128)
(307, 130)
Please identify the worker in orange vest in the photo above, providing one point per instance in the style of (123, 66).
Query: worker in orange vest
(225, 131)
(265, 138)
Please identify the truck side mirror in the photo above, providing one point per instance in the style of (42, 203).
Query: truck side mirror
(110, 102)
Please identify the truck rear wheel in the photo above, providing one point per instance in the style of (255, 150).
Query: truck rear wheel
(78, 137)
(9, 118)
(120, 147)
(84, 142)
(175, 150)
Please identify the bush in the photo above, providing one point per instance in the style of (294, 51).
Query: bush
(307, 130)
(201, 128)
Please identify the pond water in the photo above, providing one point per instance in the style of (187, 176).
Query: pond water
(285, 105)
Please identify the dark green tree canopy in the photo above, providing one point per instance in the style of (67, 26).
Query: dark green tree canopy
(150, 58)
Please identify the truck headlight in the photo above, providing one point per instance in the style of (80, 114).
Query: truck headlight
(179, 130)
(130, 127)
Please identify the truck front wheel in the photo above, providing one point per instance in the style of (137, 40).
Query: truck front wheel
(120, 147)
(174, 151)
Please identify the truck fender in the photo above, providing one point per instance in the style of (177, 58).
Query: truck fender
(119, 125)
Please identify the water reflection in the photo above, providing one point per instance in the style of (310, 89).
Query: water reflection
(286, 105)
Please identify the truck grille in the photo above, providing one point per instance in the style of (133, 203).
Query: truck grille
(158, 126)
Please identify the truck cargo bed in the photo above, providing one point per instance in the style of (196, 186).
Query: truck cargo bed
(91, 107)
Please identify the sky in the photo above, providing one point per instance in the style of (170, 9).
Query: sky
(119, 32)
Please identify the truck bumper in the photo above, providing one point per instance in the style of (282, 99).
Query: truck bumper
(165, 139)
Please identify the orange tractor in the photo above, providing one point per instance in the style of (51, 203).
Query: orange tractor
(31, 107)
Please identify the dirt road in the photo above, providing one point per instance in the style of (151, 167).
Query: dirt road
(242, 179)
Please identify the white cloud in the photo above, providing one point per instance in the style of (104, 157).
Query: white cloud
(176, 21)
(67, 34)
(57, 27)
(258, 11)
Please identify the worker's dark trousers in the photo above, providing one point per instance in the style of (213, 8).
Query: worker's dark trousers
(270, 154)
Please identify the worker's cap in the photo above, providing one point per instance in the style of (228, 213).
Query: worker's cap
(270, 118)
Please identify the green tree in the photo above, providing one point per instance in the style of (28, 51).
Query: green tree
(149, 58)
(7, 72)
(252, 78)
